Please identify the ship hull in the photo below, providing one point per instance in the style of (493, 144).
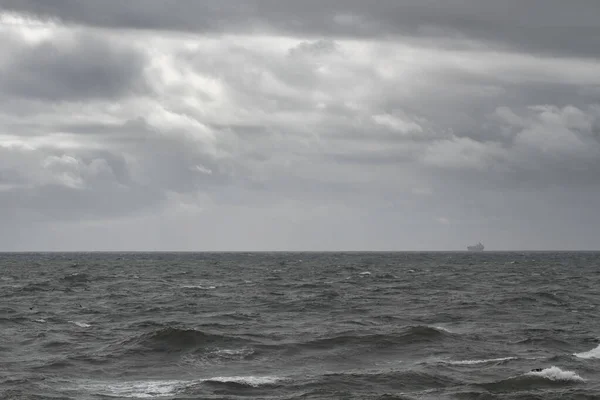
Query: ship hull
(477, 247)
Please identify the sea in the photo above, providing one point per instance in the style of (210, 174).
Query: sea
(411, 325)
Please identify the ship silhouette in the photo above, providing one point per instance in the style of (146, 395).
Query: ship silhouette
(477, 247)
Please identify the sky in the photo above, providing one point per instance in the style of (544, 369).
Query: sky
(299, 125)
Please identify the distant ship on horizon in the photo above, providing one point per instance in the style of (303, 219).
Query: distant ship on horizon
(477, 247)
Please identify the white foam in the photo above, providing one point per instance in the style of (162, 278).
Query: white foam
(246, 380)
(474, 362)
(80, 324)
(135, 389)
(556, 374)
(41, 320)
(441, 328)
(199, 287)
(365, 273)
(234, 352)
(594, 353)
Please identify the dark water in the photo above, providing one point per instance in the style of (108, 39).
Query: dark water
(300, 326)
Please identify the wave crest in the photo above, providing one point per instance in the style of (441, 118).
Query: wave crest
(412, 334)
(476, 362)
(594, 353)
(136, 389)
(556, 374)
(251, 381)
(548, 377)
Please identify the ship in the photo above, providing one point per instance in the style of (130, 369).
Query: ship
(477, 247)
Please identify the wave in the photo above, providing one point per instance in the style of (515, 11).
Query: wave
(556, 374)
(37, 287)
(168, 388)
(308, 285)
(219, 356)
(198, 287)
(550, 297)
(594, 353)
(176, 339)
(54, 364)
(135, 389)
(53, 344)
(250, 381)
(232, 354)
(548, 377)
(475, 362)
(545, 341)
(443, 329)
(413, 334)
(386, 276)
(76, 278)
(14, 320)
(149, 323)
(390, 380)
(80, 324)
(239, 316)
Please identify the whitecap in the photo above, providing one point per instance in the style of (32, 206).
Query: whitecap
(80, 324)
(474, 362)
(234, 352)
(365, 273)
(200, 287)
(254, 381)
(135, 389)
(556, 374)
(41, 320)
(441, 328)
(594, 353)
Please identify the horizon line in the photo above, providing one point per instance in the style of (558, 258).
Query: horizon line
(306, 251)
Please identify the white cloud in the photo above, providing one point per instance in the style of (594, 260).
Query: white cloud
(397, 124)
(443, 220)
(463, 152)
(555, 132)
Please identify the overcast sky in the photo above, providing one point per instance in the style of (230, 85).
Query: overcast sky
(304, 125)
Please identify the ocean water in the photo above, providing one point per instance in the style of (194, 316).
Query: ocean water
(300, 325)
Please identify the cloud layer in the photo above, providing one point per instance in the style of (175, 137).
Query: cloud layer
(276, 125)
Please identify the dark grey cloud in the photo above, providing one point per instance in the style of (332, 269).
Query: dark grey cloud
(552, 27)
(70, 70)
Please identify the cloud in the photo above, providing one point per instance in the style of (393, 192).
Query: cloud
(67, 67)
(443, 220)
(291, 118)
(556, 27)
(463, 152)
(397, 124)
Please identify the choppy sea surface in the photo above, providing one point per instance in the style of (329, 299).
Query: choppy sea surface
(300, 325)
